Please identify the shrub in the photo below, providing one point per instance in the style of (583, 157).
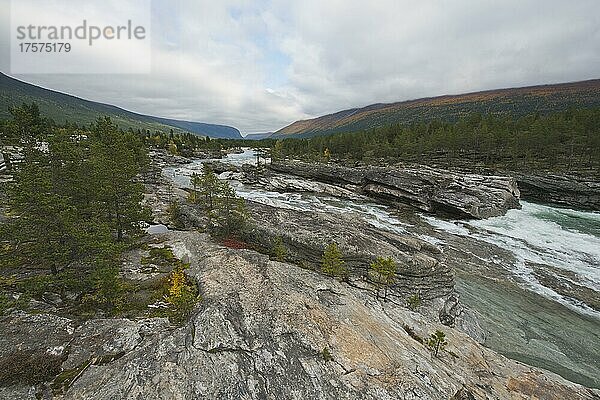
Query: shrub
(384, 270)
(279, 251)
(65, 379)
(162, 256)
(234, 243)
(437, 342)
(69, 280)
(326, 355)
(414, 301)
(175, 215)
(36, 285)
(332, 263)
(182, 295)
(7, 281)
(108, 289)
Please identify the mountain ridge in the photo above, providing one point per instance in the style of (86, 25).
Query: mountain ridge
(516, 101)
(64, 107)
(258, 136)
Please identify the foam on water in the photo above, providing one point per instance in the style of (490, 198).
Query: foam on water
(448, 226)
(561, 238)
(533, 234)
(374, 214)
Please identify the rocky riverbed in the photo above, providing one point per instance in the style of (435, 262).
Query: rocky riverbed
(427, 189)
(269, 329)
(496, 262)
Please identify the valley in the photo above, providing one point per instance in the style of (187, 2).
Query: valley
(340, 266)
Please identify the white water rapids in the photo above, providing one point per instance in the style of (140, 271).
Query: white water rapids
(552, 331)
(560, 238)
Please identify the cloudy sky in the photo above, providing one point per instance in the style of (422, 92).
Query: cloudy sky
(260, 65)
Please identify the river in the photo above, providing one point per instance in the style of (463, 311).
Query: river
(532, 276)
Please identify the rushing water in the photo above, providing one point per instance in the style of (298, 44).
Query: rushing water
(375, 214)
(539, 234)
(562, 239)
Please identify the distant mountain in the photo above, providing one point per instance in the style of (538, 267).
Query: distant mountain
(516, 101)
(63, 107)
(258, 136)
(201, 128)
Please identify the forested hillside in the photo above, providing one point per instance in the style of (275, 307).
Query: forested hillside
(62, 108)
(569, 139)
(515, 102)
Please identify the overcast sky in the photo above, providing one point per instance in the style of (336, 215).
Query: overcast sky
(260, 65)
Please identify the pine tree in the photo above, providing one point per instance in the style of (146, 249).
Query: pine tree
(414, 301)
(196, 181)
(277, 152)
(209, 188)
(44, 232)
(279, 250)
(384, 270)
(332, 263)
(226, 211)
(27, 121)
(230, 214)
(116, 159)
(57, 221)
(72, 197)
(436, 342)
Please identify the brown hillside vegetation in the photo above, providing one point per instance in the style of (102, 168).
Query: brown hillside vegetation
(517, 101)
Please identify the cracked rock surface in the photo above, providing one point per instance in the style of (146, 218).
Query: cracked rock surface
(260, 332)
(421, 266)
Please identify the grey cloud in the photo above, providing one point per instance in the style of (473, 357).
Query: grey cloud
(423, 50)
(209, 67)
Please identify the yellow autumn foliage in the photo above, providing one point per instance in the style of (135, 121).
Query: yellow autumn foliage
(177, 281)
(182, 295)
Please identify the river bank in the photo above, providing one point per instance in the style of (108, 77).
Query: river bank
(492, 267)
(284, 329)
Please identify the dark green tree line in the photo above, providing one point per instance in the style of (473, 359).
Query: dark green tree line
(559, 140)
